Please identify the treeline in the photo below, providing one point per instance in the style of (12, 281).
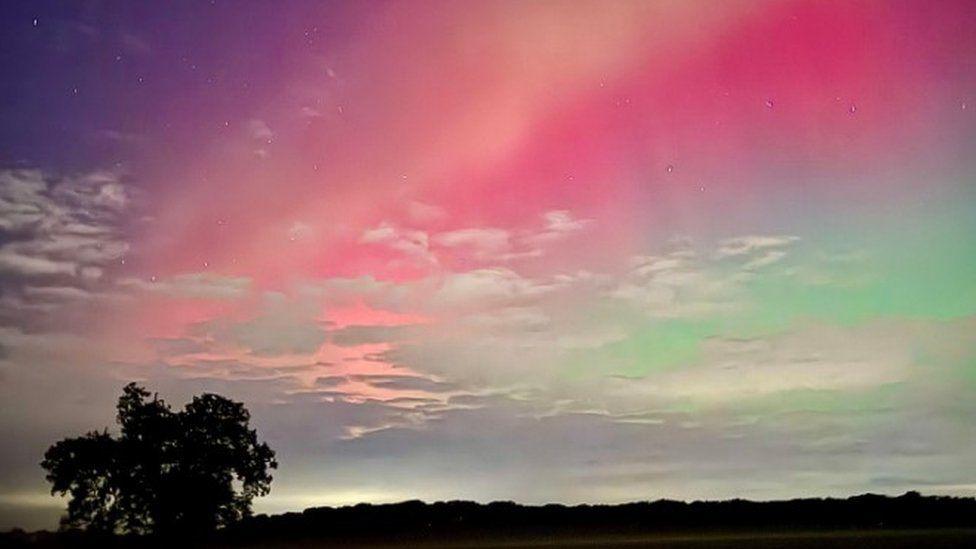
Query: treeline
(416, 521)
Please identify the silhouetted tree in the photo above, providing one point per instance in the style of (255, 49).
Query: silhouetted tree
(188, 472)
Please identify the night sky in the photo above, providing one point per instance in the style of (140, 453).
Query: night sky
(577, 251)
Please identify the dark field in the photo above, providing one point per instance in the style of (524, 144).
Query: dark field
(861, 539)
(800, 540)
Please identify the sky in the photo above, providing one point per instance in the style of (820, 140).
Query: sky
(554, 251)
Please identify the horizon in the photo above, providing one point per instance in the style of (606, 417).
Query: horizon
(57, 510)
(564, 251)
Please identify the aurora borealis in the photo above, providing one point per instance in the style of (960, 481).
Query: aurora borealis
(580, 251)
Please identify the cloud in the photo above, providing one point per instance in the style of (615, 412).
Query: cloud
(439, 293)
(202, 285)
(487, 245)
(409, 242)
(490, 286)
(810, 358)
(675, 285)
(283, 326)
(168, 347)
(423, 213)
(33, 204)
(494, 244)
(61, 233)
(57, 293)
(532, 318)
(405, 383)
(488, 323)
(259, 130)
(683, 283)
(559, 224)
(261, 134)
(354, 336)
(17, 263)
(309, 112)
(484, 243)
(331, 381)
(746, 245)
(299, 231)
(768, 258)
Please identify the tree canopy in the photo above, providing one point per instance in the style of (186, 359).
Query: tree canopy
(188, 471)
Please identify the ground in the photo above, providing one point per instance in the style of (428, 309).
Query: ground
(931, 539)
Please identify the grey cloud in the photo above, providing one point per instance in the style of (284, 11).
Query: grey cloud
(26, 265)
(745, 245)
(283, 326)
(467, 400)
(405, 383)
(168, 347)
(683, 283)
(351, 336)
(422, 213)
(57, 293)
(259, 130)
(559, 224)
(503, 245)
(244, 369)
(410, 400)
(331, 381)
(486, 241)
(412, 243)
(192, 285)
(58, 236)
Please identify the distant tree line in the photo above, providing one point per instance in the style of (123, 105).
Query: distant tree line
(416, 520)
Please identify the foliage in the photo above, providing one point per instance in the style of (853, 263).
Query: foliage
(189, 471)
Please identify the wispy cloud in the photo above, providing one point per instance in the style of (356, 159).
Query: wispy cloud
(60, 234)
(201, 285)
